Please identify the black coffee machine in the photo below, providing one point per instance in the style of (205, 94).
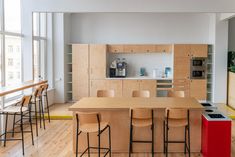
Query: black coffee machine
(119, 70)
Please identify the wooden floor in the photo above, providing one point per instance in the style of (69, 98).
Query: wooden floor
(56, 141)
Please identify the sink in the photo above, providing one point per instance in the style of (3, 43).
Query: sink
(206, 104)
(216, 116)
(207, 110)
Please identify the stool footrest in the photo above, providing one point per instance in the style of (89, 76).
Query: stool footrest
(142, 141)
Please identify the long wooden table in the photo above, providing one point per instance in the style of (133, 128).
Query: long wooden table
(116, 112)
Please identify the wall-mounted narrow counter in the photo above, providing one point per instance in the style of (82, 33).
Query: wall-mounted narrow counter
(116, 111)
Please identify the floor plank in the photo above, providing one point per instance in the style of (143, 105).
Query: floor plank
(56, 141)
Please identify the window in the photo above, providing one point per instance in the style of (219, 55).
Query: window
(10, 44)
(39, 44)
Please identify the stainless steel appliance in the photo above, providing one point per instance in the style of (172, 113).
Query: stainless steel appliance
(121, 70)
(198, 68)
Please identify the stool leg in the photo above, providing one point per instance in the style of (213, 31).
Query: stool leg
(13, 127)
(43, 118)
(5, 137)
(185, 140)
(31, 127)
(36, 118)
(40, 113)
(77, 142)
(189, 151)
(48, 111)
(164, 136)
(88, 144)
(22, 131)
(110, 142)
(99, 144)
(130, 144)
(167, 129)
(153, 140)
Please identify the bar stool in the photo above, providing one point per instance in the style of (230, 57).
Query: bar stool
(141, 93)
(45, 95)
(176, 117)
(141, 117)
(105, 93)
(179, 94)
(91, 123)
(37, 97)
(22, 109)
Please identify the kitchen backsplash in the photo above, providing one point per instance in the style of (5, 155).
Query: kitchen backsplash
(148, 61)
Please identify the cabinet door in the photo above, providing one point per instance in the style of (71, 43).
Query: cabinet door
(198, 89)
(164, 48)
(199, 50)
(97, 61)
(80, 76)
(115, 85)
(96, 85)
(231, 90)
(149, 85)
(182, 85)
(115, 48)
(128, 86)
(141, 48)
(181, 61)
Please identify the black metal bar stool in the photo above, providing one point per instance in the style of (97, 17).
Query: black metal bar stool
(38, 104)
(90, 123)
(45, 95)
(176, 117)
(22, 109)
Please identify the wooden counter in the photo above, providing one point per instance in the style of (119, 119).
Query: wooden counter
(116, 112)
(18, 87)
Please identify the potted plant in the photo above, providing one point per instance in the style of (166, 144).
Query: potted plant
(231, 61)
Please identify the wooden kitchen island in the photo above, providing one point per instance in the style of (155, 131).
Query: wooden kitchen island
(116, 112)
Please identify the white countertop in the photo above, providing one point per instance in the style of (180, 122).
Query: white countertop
(139, 78)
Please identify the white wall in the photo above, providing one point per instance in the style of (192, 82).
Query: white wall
(220, 61)
(140, 28)
(58, 36)
(131, 5)
(231, 40)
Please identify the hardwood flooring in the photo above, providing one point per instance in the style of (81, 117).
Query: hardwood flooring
(56, 141)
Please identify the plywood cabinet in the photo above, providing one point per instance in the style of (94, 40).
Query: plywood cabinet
(130, 85)
(97, 61)
(163, 48)
(115, 85)
(80, 76)
(198, 50)
(116, 48)
(181, 61)
(198, 89)
(231, 90)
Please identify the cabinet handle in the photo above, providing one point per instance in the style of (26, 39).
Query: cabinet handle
(91, 83)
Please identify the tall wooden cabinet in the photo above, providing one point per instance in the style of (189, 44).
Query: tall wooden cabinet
(80, 77)
(89, 62)
(182, 56)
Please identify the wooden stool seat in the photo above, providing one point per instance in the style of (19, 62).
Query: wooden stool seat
(141, 93)
(105, 93)
(92, 127)
(141, 122)
(14, 109)
(179, 94)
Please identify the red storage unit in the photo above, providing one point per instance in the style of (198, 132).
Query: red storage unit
(216, 135)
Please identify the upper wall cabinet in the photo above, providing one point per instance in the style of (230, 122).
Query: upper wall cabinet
(198, 50)
(115, 48)
(139, 48)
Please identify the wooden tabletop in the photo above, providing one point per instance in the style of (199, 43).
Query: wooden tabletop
(17, 87)
(126, 103)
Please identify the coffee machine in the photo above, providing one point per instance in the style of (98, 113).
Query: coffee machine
(118, 68)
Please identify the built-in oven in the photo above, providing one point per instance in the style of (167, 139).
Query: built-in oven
(198, 68)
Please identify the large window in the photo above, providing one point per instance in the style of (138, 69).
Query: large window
(39, 44)
(10, 44)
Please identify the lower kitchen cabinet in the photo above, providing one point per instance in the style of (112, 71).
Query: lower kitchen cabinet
(198, 89)
(130, 85)
(115, 85)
